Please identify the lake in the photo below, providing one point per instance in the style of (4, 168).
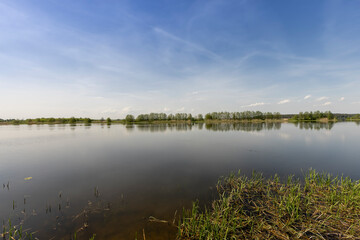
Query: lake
(125, 181)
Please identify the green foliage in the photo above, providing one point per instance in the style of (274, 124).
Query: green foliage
(247, 115)
(171, 116)
(87, 120)
(162, 117)
(15, 232)
(354, 117)
(313, 116)
(129, 118)
(72, 120)
(319, 206)
(220, 116)
(190, 117)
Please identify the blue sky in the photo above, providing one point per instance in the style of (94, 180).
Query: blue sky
(112, 58)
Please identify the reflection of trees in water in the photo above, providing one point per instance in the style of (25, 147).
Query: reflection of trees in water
(246, 127)
(162, 127)
(130, 127)
(357, 123)
(314, 125)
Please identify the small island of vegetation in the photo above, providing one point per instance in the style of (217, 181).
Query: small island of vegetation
(314, 116)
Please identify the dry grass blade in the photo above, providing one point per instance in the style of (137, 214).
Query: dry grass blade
(154, 219)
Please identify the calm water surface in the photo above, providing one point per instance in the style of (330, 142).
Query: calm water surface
(109, 180)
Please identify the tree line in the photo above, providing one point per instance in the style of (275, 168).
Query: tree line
(71, 120)
(313, 116)
(247, 115)
(162, 117)
(354, 117)
(216, 116)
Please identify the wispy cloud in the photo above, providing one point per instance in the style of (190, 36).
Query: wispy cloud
(307, 97)
(194, 46)
(284, 101)
(254, 104)
(342, 99)
(322, 98)
(323, 104)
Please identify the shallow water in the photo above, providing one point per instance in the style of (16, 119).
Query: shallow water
(111, 179)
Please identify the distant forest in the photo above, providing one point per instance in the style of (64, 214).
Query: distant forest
(247, 115)
(313, 116)
(214, 116)
(71, 120)
(232, 116)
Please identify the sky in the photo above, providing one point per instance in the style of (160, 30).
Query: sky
(99, 58)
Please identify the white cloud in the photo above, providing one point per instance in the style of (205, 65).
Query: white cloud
(284, 101)
(321, 98)
(307, 97)
(254, 104)
(125, 109)
(323, 104)
(341, 99)
(180, 109)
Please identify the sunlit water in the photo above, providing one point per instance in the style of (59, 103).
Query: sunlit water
(110, 180)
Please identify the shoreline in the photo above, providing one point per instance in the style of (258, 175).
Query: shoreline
(285, 120)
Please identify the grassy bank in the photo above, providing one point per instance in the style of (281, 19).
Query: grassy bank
(317, 207)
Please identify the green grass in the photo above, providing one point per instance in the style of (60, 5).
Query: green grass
(13, 232)
(319, 206)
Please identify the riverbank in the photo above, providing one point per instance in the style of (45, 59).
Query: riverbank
(317, 207)
(150, 122)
